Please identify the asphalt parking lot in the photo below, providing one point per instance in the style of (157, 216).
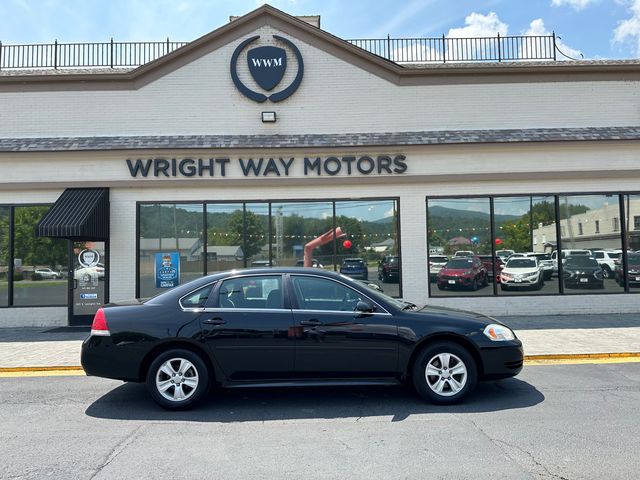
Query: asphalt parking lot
(562, 421)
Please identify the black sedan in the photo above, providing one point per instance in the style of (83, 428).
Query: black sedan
(582, 271)
(294, 326)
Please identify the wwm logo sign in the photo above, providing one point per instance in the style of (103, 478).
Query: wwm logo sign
(267, 62)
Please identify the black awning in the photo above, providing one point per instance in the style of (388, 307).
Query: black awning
(79, 214)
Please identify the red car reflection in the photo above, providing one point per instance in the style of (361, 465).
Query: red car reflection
(464, 272)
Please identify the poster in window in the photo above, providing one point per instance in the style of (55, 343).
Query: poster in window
(167, 270)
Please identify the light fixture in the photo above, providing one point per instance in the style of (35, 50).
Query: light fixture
(268, 117)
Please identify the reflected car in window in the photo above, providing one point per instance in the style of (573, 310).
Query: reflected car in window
(633, 275)
(355, 268)
(544, 259)
(463, 272)
(287, 327)
(47, 274)
(389, 269)
(436, 262)
(582, 271)
(494, 266)
(522, 272)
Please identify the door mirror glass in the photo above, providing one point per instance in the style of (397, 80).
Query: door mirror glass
(364, 307)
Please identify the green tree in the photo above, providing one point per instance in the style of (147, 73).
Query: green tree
(234, 233)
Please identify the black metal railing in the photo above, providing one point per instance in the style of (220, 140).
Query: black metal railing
(84, 55)
(448, 49)
(401, 50)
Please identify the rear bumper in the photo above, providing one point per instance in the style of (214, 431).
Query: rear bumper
(100, 357)
(502, 361)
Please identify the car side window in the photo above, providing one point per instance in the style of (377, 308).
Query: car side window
(197, 299)
(259, 292)
(315, 293)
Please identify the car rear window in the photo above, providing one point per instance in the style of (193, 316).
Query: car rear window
(353, 263)
(438, 258)
(633, 259)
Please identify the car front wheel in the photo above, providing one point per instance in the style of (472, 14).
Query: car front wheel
(177, 379)
(444, 373)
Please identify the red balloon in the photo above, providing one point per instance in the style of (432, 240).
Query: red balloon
(498, 241)
(347, 244)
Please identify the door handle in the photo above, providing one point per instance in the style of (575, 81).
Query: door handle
(214, 321)
(312, 322)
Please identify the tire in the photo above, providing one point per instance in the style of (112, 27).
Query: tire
(441, 287)
(194, 387)
(427, 385)
(474, 285)
(503, 287)
(384, 278)
(606, 271)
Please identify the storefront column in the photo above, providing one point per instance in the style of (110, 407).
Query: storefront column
(413, 242)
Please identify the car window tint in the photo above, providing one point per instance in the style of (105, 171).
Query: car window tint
(197, 299)
(261, 292)
(461, 263)
(314, 293)
(521, 263)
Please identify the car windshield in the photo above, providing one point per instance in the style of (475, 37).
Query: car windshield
(392, 259)
(460, 263)
(521, 263)
(581, 261)
(376, 294)
(633, 259)
(542, 256)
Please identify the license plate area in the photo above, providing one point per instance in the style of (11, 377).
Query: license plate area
(452, 282)
(584, 280)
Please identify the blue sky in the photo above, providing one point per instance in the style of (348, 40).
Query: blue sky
(596, 28)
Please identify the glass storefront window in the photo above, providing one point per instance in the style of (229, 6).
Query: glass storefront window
(369, 249)
(632, 233)
(169, 234)
(525, 228)
(458, 238)
(300, 227)
(256, 237)
(225, 237)
(4, 256)
(589, 249)
(40, 264)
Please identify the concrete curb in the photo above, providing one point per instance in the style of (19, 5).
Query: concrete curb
(528, 359)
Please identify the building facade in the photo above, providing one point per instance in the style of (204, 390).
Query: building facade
(247, 145)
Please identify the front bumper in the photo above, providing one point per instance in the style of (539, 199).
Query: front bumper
(502, 361)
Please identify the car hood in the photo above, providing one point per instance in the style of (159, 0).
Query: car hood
(444, 312)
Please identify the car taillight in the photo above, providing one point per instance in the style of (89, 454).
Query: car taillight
(99, 325)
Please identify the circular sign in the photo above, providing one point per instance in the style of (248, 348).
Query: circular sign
(88, 258)
(347, 244)
(267, 66)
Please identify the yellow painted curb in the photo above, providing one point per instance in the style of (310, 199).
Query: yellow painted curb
(581, 356)
(53, 371)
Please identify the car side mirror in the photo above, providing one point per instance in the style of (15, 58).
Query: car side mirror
(364, 307)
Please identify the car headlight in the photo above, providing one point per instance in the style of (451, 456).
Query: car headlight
(498, 333)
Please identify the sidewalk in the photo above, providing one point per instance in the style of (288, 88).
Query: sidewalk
(541, 335)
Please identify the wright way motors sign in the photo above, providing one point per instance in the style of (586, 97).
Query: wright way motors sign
(268, 166)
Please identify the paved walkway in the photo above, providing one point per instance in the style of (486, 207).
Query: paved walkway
(550, 335)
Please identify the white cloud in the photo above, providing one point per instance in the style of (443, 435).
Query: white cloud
(537, 28)
(575, 4)
(629, 29)
(478, 25)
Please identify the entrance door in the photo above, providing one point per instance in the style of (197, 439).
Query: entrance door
(87, 281)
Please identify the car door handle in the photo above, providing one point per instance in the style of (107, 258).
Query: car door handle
(214, 321)
(312, 322)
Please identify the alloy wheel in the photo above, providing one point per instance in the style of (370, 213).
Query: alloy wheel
(177, 379)
(446, 374)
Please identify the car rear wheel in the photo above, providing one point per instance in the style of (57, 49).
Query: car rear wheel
(177, 379)
(444, 373)
(606, 271)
